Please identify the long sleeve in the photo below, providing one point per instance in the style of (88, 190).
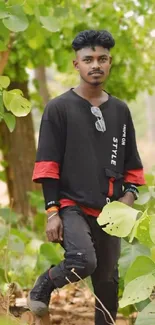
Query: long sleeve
(50, 187)
(50, 146)
(133, 167)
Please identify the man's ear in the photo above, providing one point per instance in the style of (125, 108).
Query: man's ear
(76, 65)
(110, 60)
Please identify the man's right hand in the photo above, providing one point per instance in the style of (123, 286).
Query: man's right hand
(54, 228)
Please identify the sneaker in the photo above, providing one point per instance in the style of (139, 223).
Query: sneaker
(39, 296)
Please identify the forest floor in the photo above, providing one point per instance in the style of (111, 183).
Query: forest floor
(72, 305)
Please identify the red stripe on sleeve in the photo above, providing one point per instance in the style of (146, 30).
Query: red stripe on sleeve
(135, 176)
(45, 169)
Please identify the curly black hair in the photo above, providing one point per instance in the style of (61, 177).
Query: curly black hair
(92, 38)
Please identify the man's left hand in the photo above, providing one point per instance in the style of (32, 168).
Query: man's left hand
(127, 199)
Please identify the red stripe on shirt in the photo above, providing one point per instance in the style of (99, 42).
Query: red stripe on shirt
(90, 211)
(45, 169)
(135, 176)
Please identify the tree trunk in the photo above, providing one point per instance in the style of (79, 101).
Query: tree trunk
(19, 151)
(40, 75)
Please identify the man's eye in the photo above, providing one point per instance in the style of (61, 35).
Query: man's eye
(87, 60)
(103, 59)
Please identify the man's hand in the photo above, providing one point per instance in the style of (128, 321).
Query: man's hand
(127, 199)
(54, 228)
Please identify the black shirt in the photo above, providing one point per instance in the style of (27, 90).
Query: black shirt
(87, 158)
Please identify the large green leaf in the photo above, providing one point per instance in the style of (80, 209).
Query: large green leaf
(147, 316)
(20, 106)
(118, 219)
(17, 20)
(9, 95)
(141, 266)
(50, 23)
(10, 121)
(152, 228)
(138, 290)
(4, 81)
(129, 253)
(16, 103)
(3, 10)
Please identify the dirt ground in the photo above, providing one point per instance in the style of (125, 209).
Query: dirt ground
(72, 305)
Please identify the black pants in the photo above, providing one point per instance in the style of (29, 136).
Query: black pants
(91, 252)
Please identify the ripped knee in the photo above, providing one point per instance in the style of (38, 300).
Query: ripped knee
(82, 262)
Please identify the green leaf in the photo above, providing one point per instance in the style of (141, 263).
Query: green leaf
(3, 11)
(1, 104)
(147, 316)
(129, 252)
(7, 97)
(16, 103)
(10, 121)
(4, 37)
(138, 290)
(4, 81)
(51, 252)
(143, 231)
(152, 250)
(16, 244)
(142, 304)
(33, 246)
(17, 20)
(152, 228)
(144, 196)
(150, 179)
(118, 219)
(141, 266)
(60, 12)
(20, 106)
(50, 23)
(133, 231)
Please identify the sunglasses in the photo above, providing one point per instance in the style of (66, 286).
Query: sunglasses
(100, 123)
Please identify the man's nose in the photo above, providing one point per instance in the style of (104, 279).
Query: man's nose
(95, 64)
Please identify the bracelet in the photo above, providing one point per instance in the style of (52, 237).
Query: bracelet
(54, 214)
(133, 191)
(53, 208)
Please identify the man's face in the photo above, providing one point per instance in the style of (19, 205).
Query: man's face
(93, 64)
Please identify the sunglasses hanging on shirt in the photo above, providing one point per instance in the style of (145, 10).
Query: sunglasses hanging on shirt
(100, 123)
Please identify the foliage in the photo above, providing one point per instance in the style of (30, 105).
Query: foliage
(137, 261)
(8, 321)
(57, 23)
(12, 103)
(23, 253)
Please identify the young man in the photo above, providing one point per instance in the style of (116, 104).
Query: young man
(87, 156)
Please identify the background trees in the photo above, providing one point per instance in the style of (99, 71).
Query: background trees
(38, 34)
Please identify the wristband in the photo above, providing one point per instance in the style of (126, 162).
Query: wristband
(51, 204)
(134, 191)
(52, 209)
